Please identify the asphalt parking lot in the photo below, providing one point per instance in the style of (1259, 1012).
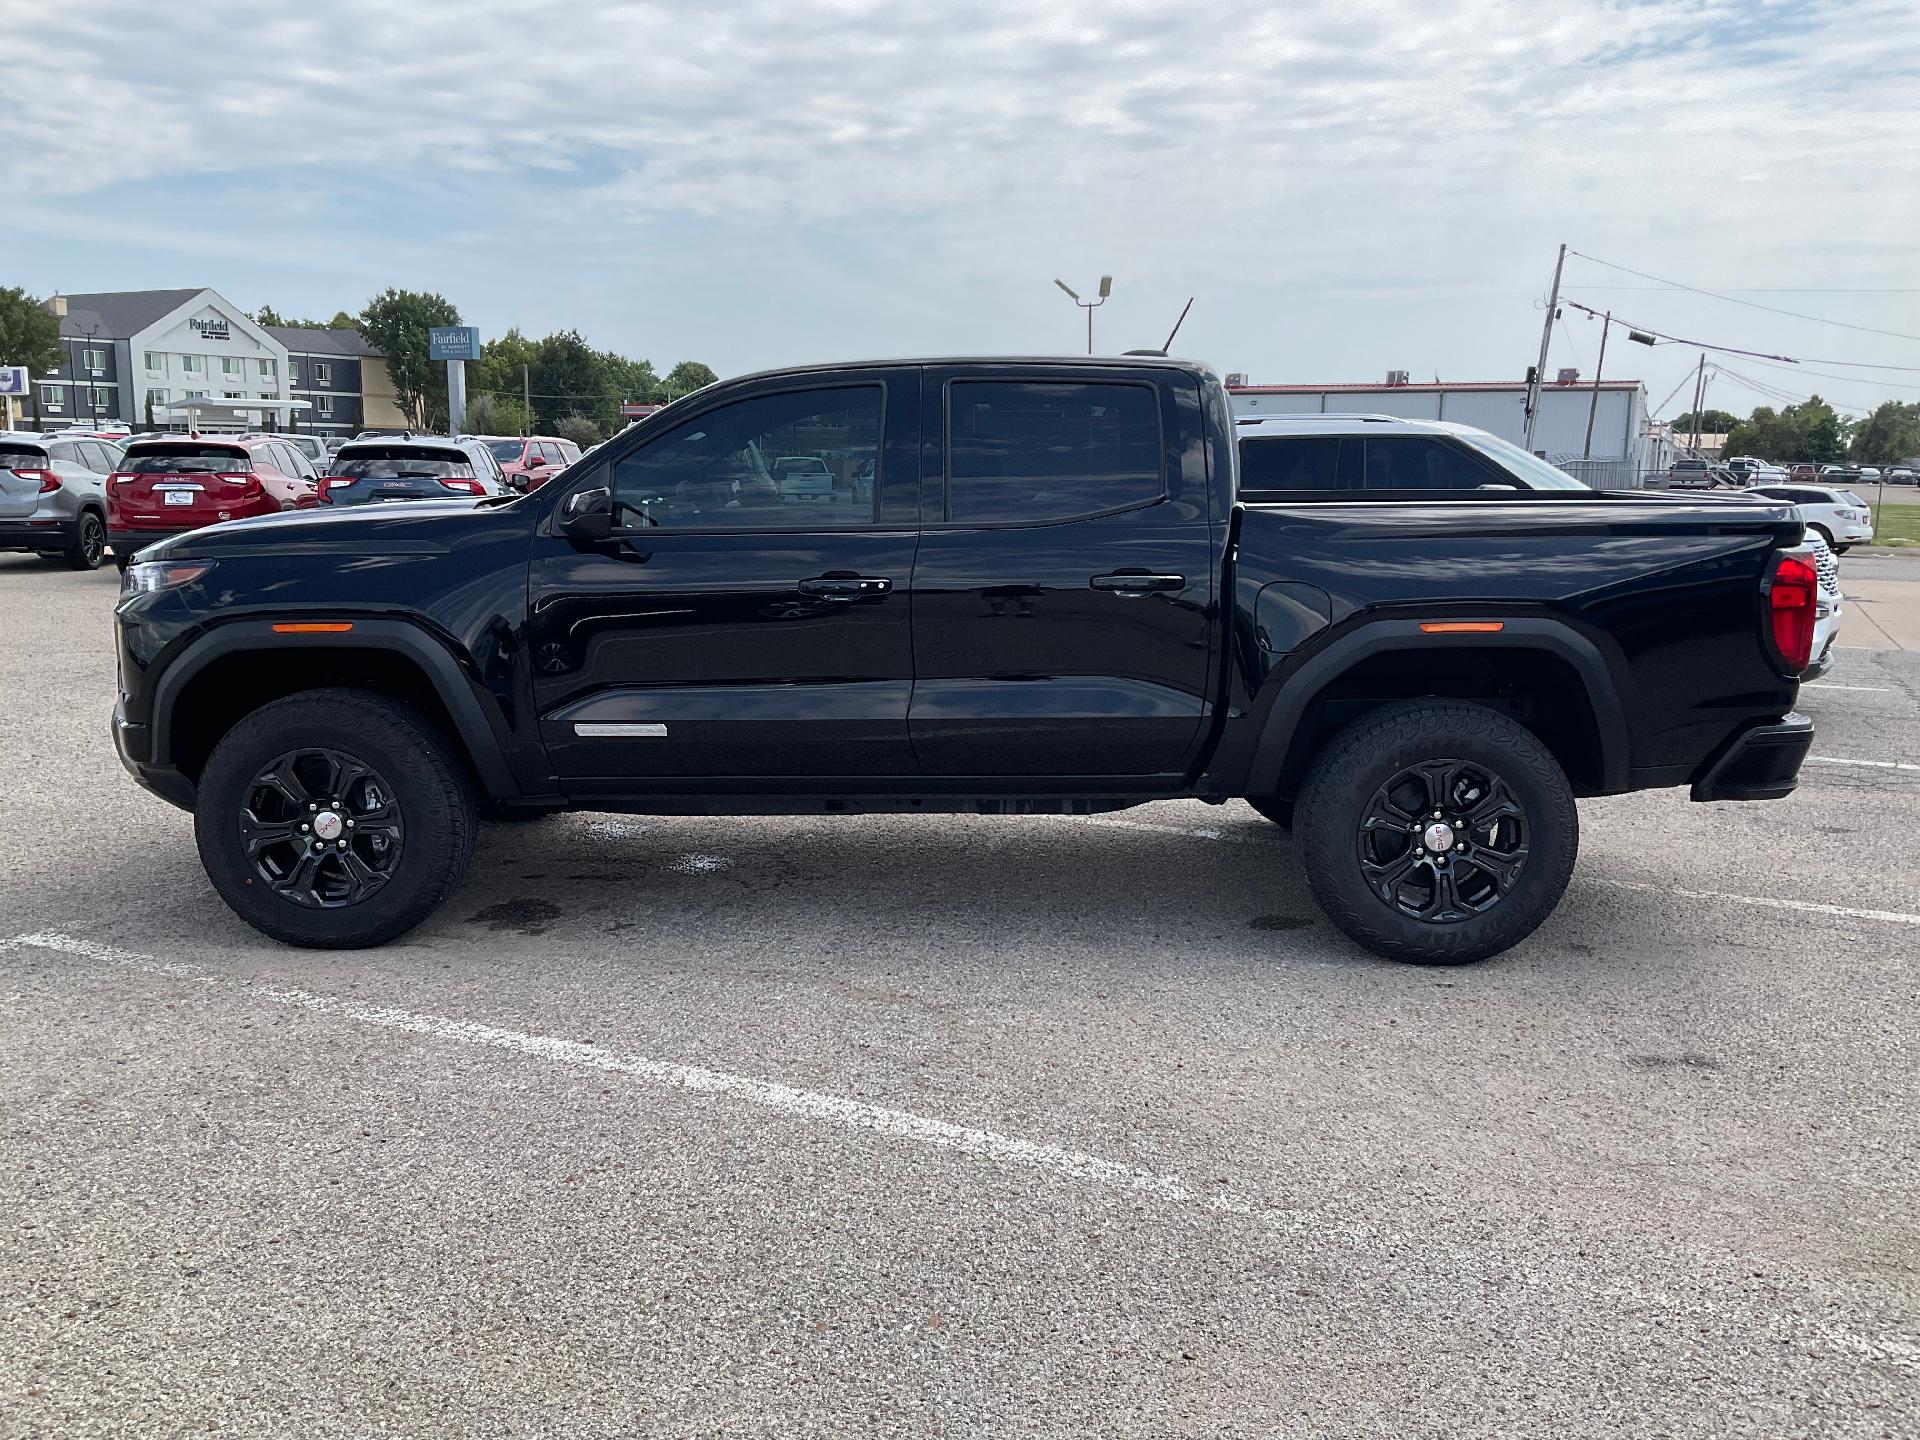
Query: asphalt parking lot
(956, 1126)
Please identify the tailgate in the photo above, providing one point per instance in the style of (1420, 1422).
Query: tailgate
(180, 487)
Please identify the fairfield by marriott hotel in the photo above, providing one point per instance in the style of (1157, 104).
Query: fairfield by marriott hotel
(130, 354)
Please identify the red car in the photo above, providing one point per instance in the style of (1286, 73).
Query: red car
(1804, 473)
(529, 461)
(182, 482)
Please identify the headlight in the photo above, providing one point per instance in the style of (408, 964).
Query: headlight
(145, 579)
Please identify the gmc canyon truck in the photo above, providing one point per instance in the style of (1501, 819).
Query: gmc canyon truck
(1030, 586)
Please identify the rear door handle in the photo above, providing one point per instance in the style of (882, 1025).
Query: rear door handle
(846, 587)
(1137, 584)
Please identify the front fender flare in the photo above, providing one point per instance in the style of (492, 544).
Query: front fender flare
(455, 689)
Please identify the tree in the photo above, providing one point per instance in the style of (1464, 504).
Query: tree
(1891, 433)
(687, 377)
(396, 322)
(570, 377)
(579, 429)
(29, 332)
(267, 315)
(1712, 422)
(1809, 431)
(495, 412)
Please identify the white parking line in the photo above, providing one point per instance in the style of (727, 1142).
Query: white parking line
(1766, 902)
(808, 1105)
(1864, 764)
(1829, 685)
(1891, 917)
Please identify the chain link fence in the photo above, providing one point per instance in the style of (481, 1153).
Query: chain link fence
(1609, 474)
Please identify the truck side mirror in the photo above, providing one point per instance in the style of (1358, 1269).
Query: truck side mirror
(587, 516)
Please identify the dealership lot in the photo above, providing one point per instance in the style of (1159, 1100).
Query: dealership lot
(964, 1126)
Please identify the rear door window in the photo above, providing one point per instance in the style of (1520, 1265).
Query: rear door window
(1295, 462)
(1419, 462)
(1035, 451)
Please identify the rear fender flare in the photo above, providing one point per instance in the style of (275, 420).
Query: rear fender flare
(1297, 692)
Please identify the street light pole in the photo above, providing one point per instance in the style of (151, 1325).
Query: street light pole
(1106, 289)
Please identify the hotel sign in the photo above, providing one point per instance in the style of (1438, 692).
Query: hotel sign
(215, 328)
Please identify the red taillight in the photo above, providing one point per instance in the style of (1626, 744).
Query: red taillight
(1793, 596)
(122, 477)
(329, 483)
(249, 483)
(465, 487)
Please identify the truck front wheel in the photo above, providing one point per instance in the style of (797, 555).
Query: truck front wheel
(334, 818)
(1437, 832)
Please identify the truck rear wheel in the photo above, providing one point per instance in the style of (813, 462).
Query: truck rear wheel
(1437, 832)
(336, 819)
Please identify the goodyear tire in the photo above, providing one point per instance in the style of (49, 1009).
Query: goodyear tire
(1437, 832)
(335, 819)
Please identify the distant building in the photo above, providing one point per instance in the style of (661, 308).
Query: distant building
(343, 379)
(133, 357)
(1622, 445)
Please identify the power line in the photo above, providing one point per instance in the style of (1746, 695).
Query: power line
(1751, 354)
(1677, 340)
(1751, 304)
(1778, 289)
(1825, 375)
(1775, 392)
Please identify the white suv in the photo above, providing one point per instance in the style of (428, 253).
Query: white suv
(1318, 453)
(1839, 517)
(1827, 606)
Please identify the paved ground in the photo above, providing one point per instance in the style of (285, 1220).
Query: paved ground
(973, 1127)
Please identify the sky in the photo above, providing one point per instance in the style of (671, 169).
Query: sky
(1343, 189)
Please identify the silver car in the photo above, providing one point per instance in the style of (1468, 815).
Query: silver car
(53, 496)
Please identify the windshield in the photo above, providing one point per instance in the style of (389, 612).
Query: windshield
(506, 451)
(186, 459)
(1538, 474)
(395, 462)
(12, 452)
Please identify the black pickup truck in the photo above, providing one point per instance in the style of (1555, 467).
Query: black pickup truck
(1004, 586)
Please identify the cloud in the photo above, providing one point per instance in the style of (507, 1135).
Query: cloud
(1300, 167)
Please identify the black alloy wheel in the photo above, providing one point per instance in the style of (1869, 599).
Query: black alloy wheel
(1443, 840)
(1437, 832)
(89, 546)
(335, 818)
(322, 828)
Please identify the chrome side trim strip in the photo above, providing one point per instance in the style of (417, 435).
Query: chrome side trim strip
(588, 730)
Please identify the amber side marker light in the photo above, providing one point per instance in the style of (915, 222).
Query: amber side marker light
(1462, 627)
(339, 628)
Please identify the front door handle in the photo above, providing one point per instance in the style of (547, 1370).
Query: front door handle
(1125, 584)
(846, 587)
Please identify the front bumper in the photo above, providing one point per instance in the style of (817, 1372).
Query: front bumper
(1761, 762)
(134, 745)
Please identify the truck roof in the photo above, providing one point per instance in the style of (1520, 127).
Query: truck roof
(1076, 362)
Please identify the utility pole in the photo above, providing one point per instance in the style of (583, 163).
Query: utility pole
(1593, 405)
(1699, 399)
(526, 402)
(1546, 336)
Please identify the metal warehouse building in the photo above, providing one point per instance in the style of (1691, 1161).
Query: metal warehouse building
(1625, 444)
